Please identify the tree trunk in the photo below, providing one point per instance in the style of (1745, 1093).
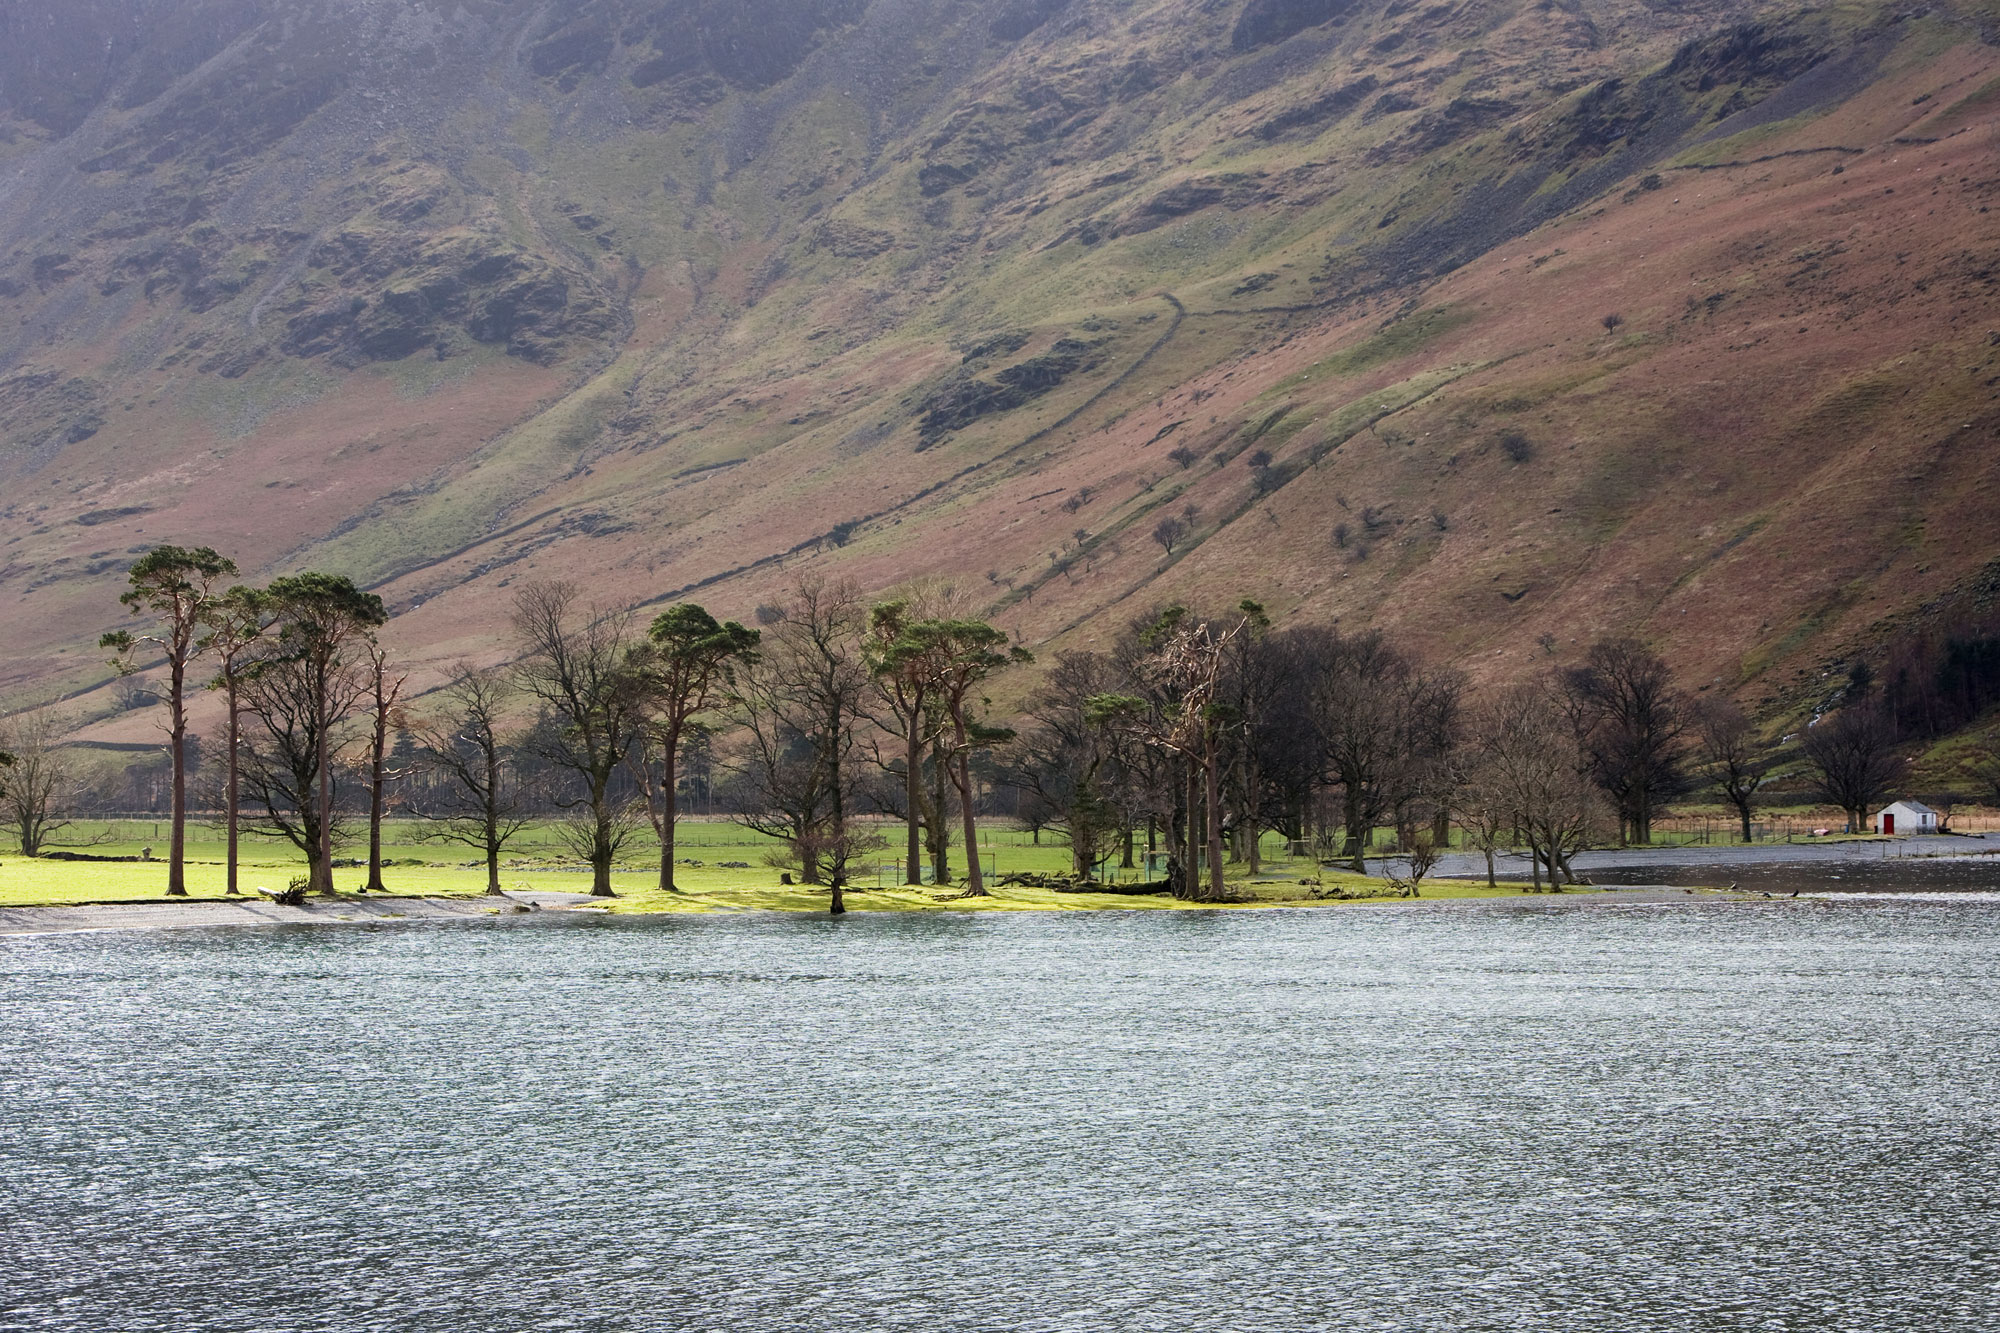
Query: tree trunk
(324, 871)
(839, 875)
(177, 836)
(1491, 882)
(940, 822)
(1743, 812)
(1351, 819)
(1177, 830)
(975, 882)
(229, 796)
(808, 859)
(600, 840)
(1125, 861)
(669, 803)
(600, 860)
(913, 778)
(376, 757)
(1213, 814)
(1191, 798)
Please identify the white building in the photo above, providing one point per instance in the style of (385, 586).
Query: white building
(1906, 817)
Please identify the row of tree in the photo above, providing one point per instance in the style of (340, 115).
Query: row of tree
(594, 720)
(1199, 732)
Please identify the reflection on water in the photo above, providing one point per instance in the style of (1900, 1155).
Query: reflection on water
(1456, 1117)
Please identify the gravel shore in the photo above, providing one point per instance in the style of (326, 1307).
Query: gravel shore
(167, 914)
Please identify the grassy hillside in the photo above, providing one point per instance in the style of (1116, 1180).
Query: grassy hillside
(1499, 325)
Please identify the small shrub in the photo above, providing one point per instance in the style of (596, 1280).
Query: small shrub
(1612, 321)
(1342, 535)
(1183, 457)
(1264, 480)
(1261, 458)
(1517, 446)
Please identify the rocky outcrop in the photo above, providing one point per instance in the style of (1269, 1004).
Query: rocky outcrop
(394, 296)
(964, 398)
(1266, 21)
(42, 410)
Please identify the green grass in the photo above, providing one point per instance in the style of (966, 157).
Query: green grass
(537, 861)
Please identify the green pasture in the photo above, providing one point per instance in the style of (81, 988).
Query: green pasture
(537, 860)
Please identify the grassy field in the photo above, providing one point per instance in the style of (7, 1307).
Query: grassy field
(722, 868)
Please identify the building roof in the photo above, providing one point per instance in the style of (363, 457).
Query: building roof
(1914, 807)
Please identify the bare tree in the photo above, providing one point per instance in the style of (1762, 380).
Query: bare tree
(1420, 857)
(1854, 762)
(294, 736)
(179, 588)
(237, 626)
(576, 663)
(1183, 713)
(482, 802)
(1538, 773)
(802, 709)
(384, 695)
(323, 622)
(1251, 691)
(1735, 762)
(1385, 728)
(1063, 761)
(42, 783)
(1632, 723)
(1170, 532)
(1485, 807)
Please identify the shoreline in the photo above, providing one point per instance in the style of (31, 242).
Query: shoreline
(168, 914)
(173, 914)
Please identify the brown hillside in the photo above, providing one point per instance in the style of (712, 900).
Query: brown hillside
(575, 291)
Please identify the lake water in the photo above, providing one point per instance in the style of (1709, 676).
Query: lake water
(1449, 1117)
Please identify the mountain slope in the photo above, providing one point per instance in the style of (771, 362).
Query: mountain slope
(676, 298)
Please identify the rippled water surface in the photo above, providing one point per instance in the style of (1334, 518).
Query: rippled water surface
(1454, 1117)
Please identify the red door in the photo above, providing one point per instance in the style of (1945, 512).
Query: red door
(1888, 826)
